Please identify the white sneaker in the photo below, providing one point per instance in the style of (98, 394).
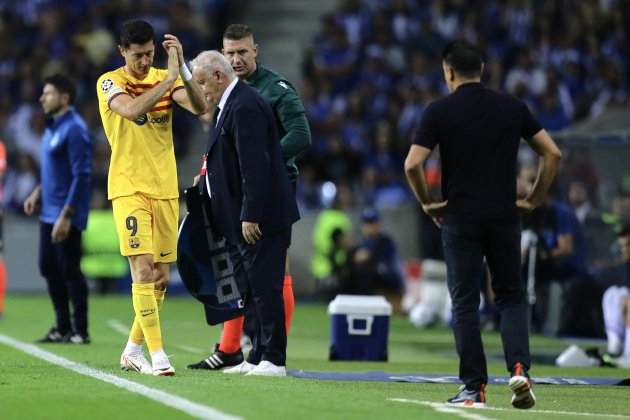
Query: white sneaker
(168, 371)
(622, 362)
(241, 369)
(266, 368)
(522, 395)
(135, 362)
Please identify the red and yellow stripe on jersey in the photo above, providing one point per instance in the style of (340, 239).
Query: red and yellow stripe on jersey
(143, 158)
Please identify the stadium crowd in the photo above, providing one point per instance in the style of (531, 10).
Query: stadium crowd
(376, 64)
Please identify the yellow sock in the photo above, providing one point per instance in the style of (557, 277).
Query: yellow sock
(146, 309)
(135, 335)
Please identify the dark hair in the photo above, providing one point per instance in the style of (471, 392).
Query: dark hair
(63, 85)
(136, 32)
(464, 57)
(625, 231)
(237, 31)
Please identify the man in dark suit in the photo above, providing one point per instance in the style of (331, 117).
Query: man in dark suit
(251, 202)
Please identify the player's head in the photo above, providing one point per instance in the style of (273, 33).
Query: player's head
(213, 72)
(240, 49)
(58, 94)
(623, 239)
(370, 222)
(137, 46)
(461, 61)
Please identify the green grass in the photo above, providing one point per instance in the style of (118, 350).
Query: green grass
(31, 388)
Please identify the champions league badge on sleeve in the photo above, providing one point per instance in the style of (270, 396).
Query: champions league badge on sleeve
(205, 264)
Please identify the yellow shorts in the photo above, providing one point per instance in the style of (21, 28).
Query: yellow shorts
(147, 225)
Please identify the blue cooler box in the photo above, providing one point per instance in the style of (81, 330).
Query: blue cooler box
(359, 327)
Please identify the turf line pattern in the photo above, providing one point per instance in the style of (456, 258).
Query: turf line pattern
(194, 409)
(123, 329)
(565, 413)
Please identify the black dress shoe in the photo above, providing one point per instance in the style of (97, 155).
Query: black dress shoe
(53, 336)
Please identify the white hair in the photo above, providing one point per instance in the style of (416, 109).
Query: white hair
(211, 61)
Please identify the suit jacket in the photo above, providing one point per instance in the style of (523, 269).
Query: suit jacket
(245, 170)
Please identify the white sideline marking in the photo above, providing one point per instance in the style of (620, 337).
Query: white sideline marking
(466, 413)
(123, 329)
(190, 349)
(119, 327)
(191, 408)
(513, 410)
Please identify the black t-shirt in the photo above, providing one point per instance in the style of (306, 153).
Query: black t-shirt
(478, 131)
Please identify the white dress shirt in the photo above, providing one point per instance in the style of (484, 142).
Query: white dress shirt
(225, 96)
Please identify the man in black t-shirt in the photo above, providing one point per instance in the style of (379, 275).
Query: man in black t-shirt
(478, 132)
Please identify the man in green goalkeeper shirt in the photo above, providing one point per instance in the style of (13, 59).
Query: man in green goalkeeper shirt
(295, 138)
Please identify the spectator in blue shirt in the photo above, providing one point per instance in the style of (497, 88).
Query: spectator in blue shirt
(63, 196)
(375, 266)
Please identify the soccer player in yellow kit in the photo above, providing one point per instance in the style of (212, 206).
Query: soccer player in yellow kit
(136, 104)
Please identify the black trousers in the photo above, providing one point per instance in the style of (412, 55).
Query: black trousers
(261, 267)
(465, 246)
(250, 323)
(60, 265)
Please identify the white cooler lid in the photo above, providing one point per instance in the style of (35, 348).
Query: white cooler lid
(359, 304)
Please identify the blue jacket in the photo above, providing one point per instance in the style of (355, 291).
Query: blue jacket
(66, 169)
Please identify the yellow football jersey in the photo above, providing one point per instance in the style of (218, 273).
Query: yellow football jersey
(143, 158)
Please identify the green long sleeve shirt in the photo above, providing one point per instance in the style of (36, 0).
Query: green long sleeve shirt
(293, 129)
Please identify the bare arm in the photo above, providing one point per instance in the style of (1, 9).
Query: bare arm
(191, 98)
(132, 108)
(549, 159)
(414, 171)
(564, 247)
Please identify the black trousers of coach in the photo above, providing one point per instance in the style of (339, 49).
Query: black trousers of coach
(60, 265)
(261, 268)
(465, 246)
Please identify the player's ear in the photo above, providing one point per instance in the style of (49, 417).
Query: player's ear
(65, 98)
(451, 74)
(255, 50)
(121, 50)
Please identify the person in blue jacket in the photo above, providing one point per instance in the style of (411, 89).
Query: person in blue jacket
(63, 197)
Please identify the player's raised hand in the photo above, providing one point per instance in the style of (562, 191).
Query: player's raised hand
(173, 64)
(171, 41)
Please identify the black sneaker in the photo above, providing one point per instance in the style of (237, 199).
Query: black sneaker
(469, 397)
(522, 395)
(219, 360)
(52, 336)
(76, 338)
